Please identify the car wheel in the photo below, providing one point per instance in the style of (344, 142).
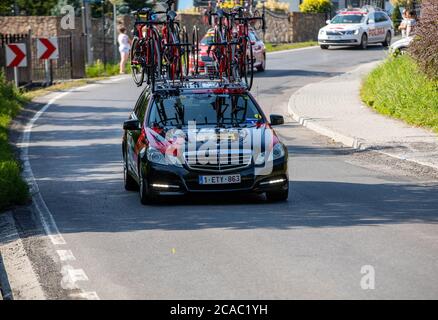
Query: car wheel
(145, 194)
(388, 39)
(277, 196)
(364, 42)
(324, 47)
(130, 183)
(262, 66)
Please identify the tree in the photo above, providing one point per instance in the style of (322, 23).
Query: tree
(424, 48)
(404, 3)
(56, 11)
(6, 7)
(316, 6)
(396, 17)
(36, 8)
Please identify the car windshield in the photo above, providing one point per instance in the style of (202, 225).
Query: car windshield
(223, 110)
(348, 18)
(207, 40)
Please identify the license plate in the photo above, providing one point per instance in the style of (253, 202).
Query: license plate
(228, 179)
(334, 38)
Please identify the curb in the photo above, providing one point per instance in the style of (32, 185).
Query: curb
(346, 140)
(5, 288)
(350, 142)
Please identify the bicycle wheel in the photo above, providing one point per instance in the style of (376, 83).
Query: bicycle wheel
(195, 50)
(137, 68)
(185, 53)
(247, 64)
(154, 63)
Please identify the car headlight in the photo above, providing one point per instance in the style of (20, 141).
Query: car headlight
(277, 153)
(351, 32)
(155, 156)
(322, 32)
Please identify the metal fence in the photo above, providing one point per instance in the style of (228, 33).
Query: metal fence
(69, 65)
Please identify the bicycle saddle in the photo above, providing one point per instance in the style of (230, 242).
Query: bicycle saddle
(171, 15)
(144, 11)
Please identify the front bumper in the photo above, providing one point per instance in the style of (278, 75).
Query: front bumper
(344, 40)
(170, 180)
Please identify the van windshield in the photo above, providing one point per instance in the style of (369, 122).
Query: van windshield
(227, 110)
(348, 18)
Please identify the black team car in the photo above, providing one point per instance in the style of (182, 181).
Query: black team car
(202, 136)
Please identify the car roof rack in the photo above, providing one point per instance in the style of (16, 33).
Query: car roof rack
(194, 83)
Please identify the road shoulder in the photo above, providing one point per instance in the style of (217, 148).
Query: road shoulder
(333, 108)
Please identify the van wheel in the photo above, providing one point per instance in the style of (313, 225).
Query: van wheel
(364, 42)
(145, 194)
(130, 184)
(387, 41)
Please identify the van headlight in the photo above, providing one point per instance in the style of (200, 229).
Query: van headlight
(277, 153)
(155, 156)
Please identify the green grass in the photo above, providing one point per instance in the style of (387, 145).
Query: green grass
(270, 47)
(99, 70)
(399, 89)
(13, 190)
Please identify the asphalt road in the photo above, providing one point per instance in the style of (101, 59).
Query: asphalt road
(346, 209)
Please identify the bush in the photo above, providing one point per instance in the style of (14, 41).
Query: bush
(13, 190)
(396, 17)
(316, 6)
(398, 88)
(99, 70)
(424, 48)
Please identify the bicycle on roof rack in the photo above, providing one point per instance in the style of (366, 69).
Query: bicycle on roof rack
(232, 49)
(175, 46)
(145, 49)
(161, 49)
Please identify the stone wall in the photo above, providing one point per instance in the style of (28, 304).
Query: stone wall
(305, 26)
(40, 26)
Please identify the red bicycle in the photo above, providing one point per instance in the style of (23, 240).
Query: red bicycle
(145, 49)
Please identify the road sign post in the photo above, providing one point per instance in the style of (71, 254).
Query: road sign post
(48, 50)
(16, 58)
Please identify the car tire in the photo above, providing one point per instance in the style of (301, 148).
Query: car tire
(262, 66)
(130, 183)
(277, 196)
(388, 39)
(145, 193)
(324, 47)
(364, 42)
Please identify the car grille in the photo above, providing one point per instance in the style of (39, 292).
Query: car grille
(206, 58)
(335, 33)
(219, 161)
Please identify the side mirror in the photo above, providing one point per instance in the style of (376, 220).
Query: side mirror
(328, 21)
(276, 120)
(132, 125)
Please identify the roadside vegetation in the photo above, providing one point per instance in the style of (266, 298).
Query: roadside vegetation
(271, 47)
(98, 69)
(406, 87)
(398, 88)
(13, 190)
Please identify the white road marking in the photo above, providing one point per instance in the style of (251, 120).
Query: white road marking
(86, 296)
(70, 275)
(65, 255)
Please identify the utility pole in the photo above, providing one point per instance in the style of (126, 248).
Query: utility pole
(86, 24)
(104, 35)
(115, 30)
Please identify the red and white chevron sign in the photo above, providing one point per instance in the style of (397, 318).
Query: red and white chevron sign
(47, 48)
(16, 55)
